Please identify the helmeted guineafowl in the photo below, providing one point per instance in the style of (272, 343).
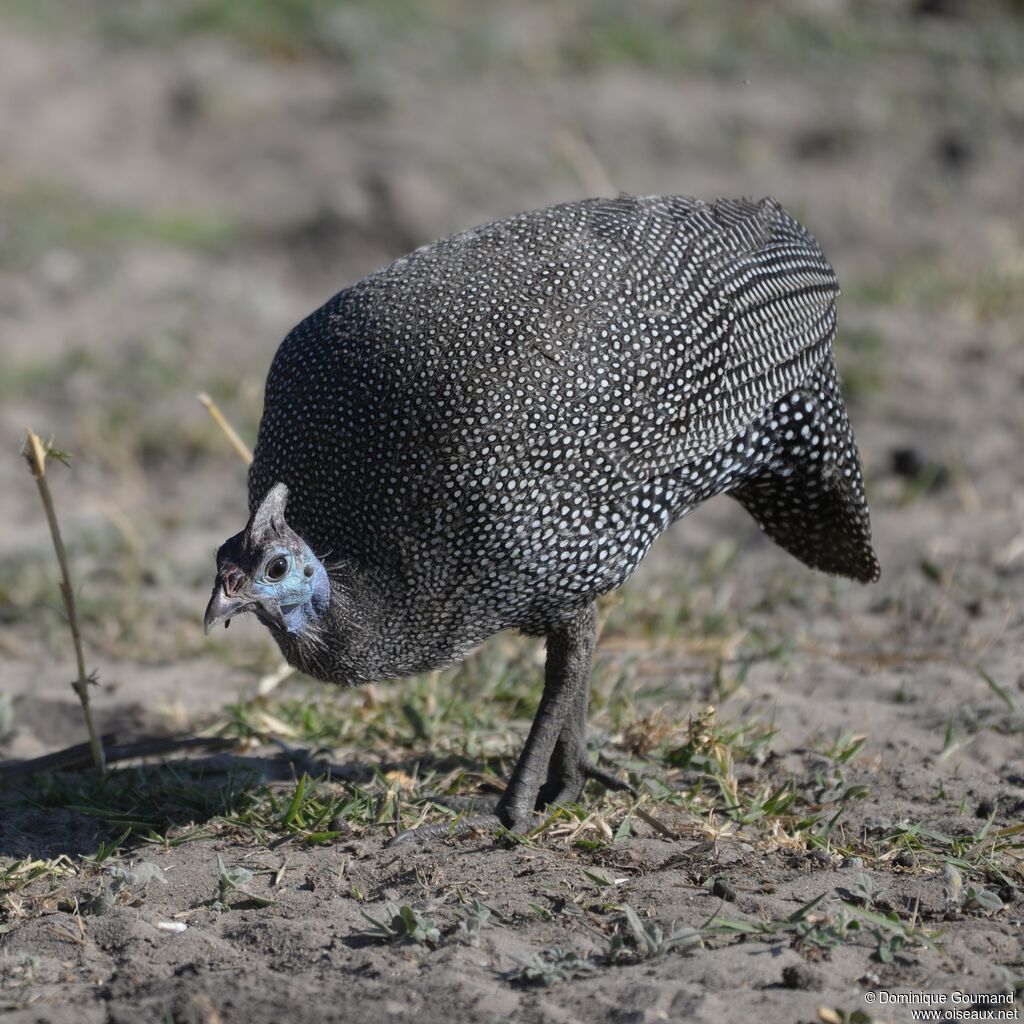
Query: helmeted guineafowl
(491, 432)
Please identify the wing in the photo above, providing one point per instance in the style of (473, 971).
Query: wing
(649, 331)
(737, 307)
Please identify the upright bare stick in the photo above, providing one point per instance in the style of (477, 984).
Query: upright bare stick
(35, 454)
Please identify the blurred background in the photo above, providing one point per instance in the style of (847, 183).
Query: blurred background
(181, 181)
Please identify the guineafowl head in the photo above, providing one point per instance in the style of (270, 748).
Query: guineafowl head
(268, 569)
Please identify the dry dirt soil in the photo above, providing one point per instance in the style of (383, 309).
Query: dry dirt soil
(182, 182)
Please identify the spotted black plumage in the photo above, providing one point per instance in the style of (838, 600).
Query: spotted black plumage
(491, 432)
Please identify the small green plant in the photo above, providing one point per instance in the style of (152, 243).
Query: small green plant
(999, 691)
(887, 945)
(864, 891)
(550, 966)
(401, 924)
(233, 881)
(650, 940)
(992, 854)
(845, 747)
(470, 922)
(823, 930)
(977, 898)
(135, 877)
(891, 934)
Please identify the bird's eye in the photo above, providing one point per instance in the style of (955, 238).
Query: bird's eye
(276, 568)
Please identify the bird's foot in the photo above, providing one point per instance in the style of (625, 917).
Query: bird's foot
(567, 775)
(566, 781)
(506, 814)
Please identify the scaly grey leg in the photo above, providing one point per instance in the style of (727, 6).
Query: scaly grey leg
(560, 722)
(553, 766)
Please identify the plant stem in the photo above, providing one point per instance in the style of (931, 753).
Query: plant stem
(232, 435)
(35, 455)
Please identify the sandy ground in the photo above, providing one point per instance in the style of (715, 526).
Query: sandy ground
(176, 194)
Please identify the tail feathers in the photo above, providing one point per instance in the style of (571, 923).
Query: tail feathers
(809, 497)
(824, 526)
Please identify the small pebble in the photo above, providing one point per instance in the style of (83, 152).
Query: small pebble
(802, 977)
(171, 926)
(985, 808)
(954, 151)
(906, 462)
(723, 890)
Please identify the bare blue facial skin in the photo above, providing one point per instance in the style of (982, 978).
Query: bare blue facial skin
(268, 569)
(301, 595)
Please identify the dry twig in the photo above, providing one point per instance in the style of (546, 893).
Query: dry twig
(35, 453)
(229, 431)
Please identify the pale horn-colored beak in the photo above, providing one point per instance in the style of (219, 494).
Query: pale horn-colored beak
(223, 607)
